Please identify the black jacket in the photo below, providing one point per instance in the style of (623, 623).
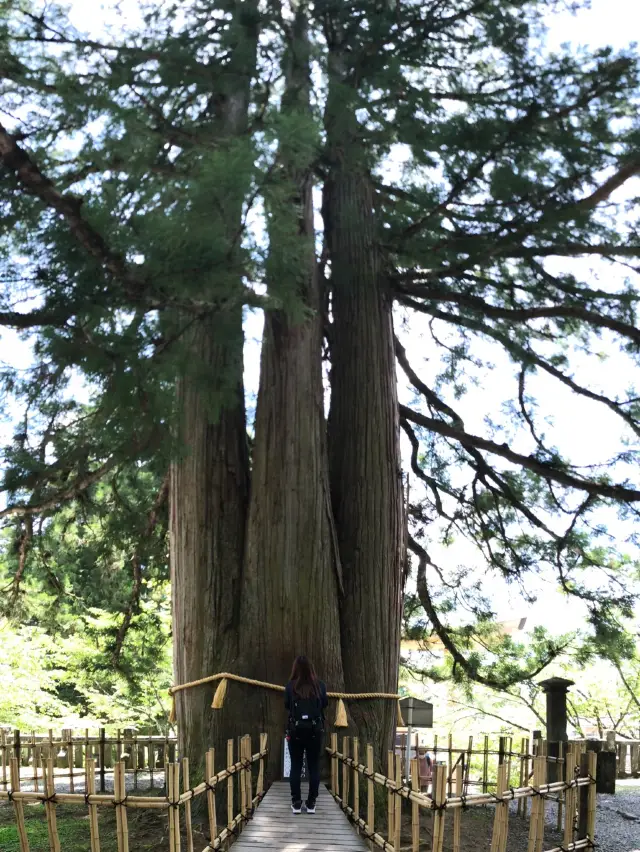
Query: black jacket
(288, 697)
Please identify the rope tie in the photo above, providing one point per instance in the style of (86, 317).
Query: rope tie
(463, 802)
(210, 787)
(10, 795)
(513, 793)
(123, 802)
(49, 799)
(87, 796)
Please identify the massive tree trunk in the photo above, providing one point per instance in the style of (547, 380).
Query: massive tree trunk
(290, 601)
(364, 453)
(209, 497)
(210, 478)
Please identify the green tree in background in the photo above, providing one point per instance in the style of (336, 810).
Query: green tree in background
(158, 183)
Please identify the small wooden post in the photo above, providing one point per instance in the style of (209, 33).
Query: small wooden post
(391, 757)
(370, 794)
(210, 760)
(345, 773)
(397, 818)
(449, 765)
(242, 782)
(175, 809)
(229, 784)
(18, 807)
(134, 757)
(356, 781)
(50, 808)
(415, 808)
(592, 759)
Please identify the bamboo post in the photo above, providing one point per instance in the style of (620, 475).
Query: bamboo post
(439, 798)
(397, 818)
(485, 765)
(356, 781)
(570, 797)
(210, 760)
(467, 768)
(390, 803)
(345, 773)
(102, 751)
(18, 806)
(242, 781)
(175, 808)
(230, 785)
(17, 747)
(263, 747)
(134, 757)
(334, 765)
(449, 764)
(34, 762)
(501, 819)
(3, 749)
(415, 808)
(370, 794)
(90, 788)
(591, 799)
(457, 812)
(560, 774)
(187, 804)
(171, 796)
(542, 810)
(50, 754)
(50, 808)
(119, 795)
(70, 760)
(535, 806)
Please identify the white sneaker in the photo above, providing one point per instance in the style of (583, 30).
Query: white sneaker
(296, 807)
(311, 809)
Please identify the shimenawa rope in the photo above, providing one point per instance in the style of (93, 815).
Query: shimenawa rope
(224, 677)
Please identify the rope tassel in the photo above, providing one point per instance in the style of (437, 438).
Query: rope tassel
(172, 714)
(220, 695)
(341, 715)
(399, 719)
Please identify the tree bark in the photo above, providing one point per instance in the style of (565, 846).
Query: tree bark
(364, 454)
(290, 600)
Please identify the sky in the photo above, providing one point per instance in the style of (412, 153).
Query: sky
(576, 425)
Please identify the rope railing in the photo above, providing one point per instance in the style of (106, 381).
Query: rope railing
(224, 677)
(176, 802)
(576, 790)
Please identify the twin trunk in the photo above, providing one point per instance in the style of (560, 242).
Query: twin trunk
(308, 559)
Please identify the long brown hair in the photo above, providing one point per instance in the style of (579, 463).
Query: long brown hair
(304, 679)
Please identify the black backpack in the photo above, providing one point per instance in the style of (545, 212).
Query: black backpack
(306, 715)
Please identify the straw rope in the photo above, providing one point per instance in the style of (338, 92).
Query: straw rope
(223, 677)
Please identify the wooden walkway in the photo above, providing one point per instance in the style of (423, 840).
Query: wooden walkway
(275, 827)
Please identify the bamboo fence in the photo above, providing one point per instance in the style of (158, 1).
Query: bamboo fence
(69, 750)
(241, 789)
(575, 789)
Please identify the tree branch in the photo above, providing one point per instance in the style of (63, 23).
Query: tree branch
(542, 468)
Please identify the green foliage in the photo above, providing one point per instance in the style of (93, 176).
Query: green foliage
(137, 214)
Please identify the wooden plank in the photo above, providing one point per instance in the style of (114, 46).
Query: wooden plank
(274, 827)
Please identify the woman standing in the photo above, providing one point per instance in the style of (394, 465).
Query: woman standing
(305, 698)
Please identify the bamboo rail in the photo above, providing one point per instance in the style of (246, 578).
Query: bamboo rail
(240, 803)
(448, 775)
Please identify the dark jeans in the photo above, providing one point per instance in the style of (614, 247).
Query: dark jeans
(312, 745)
